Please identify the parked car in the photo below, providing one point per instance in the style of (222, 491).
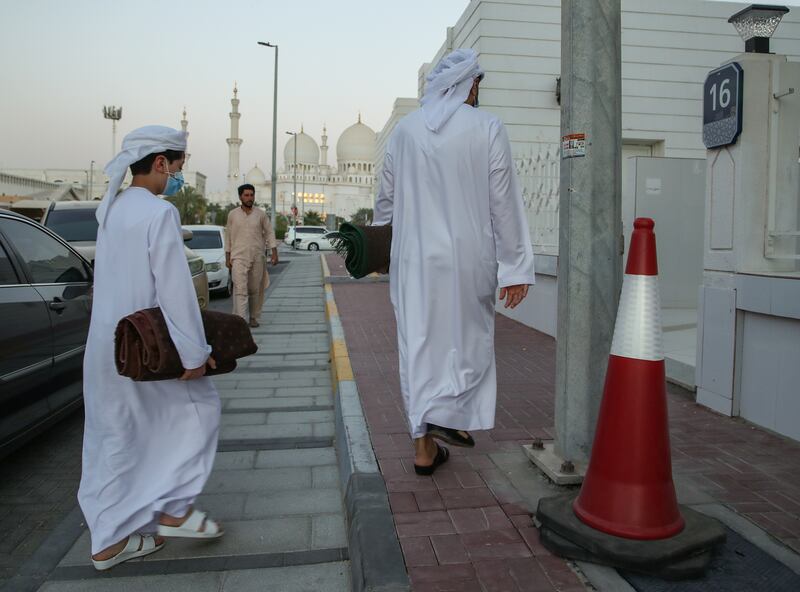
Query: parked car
(300, 236)
(76, 223)
(318, 242)
(209, 242)
(45, 307)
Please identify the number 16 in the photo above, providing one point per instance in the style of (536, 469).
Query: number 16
(724, 95)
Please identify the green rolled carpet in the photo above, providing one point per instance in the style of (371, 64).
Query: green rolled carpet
(366, 249)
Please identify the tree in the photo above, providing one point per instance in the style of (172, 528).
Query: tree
(218, 214)
(312, 218)
(191, 205)
(362, 217)
(281, 225)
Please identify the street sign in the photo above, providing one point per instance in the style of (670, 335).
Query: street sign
(722, 105)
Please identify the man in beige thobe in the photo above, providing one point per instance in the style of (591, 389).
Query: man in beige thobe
(248, 236)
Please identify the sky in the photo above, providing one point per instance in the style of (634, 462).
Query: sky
(64, 60)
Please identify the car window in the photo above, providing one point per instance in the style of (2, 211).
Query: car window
(7, 274)
(205, 239)
(73, 225)
(48, 260)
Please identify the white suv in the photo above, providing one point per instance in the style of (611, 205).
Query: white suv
(302, 237)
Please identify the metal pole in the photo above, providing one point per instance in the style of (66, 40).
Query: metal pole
(303, 201)
(294, 187)
(590, 233)
(273, 199)
(275, 142)
(91, 181)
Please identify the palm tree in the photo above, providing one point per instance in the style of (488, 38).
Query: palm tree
(312, 218)
(191, 205)
(362, 217)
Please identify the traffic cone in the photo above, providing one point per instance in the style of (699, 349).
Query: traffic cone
(628, 490)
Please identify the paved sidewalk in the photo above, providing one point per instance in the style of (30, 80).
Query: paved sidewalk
(275, 484)
(469, 527)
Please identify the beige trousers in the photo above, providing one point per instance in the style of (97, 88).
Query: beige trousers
(250, 281)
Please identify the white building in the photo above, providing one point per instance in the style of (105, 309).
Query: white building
(340, 189)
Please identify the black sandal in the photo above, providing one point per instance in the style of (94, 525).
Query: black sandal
(452, 437)
(442, 454)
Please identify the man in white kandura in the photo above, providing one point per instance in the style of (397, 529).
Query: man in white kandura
(148, 447)
(459, 231)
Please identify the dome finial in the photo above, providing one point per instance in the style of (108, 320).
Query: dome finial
(301, 129)
(359, 117)
(235, 88)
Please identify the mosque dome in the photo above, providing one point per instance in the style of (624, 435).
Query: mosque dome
(255, 176)
(356, 144)
(307, 150)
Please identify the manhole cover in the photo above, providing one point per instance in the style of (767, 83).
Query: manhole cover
(739, 565)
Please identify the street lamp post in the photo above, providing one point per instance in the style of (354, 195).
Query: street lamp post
(91, 182)
(114, 114)
(274, 133)
(294, 188)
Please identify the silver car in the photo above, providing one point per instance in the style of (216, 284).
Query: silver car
(76, 223)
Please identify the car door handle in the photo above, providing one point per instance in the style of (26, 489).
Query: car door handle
(57, 305)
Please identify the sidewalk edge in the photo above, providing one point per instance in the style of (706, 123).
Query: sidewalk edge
(376, 561)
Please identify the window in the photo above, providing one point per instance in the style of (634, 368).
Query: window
(73, 225)
(7, 274)
(48, 260)
(205, 239)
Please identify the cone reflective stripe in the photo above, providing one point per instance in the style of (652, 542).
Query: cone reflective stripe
(628, 489)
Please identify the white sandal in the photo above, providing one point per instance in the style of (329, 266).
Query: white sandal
(190, 529)
(138, 546)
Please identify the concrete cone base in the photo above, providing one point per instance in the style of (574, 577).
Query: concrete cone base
(686, 555)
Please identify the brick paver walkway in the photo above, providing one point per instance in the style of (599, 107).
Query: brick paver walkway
(459, 530)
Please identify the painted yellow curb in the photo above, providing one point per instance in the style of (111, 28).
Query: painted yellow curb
(340, 358)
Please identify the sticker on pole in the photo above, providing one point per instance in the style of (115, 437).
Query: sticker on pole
(573, 146)
(722, 106)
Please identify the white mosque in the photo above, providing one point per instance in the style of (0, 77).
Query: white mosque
(342, 189)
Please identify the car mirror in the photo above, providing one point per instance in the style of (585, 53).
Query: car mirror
(187, 235)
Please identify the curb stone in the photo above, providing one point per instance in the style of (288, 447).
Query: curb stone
(376, 560)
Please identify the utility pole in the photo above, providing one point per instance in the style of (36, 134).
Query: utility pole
(294, 188)
(90, 187)
(274, 134)
(590, 227)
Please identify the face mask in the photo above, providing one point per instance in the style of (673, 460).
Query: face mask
(174, 183)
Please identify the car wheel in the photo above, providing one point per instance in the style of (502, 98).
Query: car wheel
(313, 247)
(294, 244)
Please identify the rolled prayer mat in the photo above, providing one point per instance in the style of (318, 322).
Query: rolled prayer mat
(144, 351)
(366, 249)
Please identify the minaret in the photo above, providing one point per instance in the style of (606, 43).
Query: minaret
(185, 127)
(234, 141)
(324, 148)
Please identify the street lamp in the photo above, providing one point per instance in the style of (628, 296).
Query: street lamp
(274, 131)
(294, 186)
(114, 114)
(756, 24)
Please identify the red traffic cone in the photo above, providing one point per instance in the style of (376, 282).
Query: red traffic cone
(628, 489)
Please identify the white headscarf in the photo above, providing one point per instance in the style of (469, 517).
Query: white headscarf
(448, 86)
(141, 142)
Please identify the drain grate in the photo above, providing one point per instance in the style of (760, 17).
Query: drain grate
(738, 565)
